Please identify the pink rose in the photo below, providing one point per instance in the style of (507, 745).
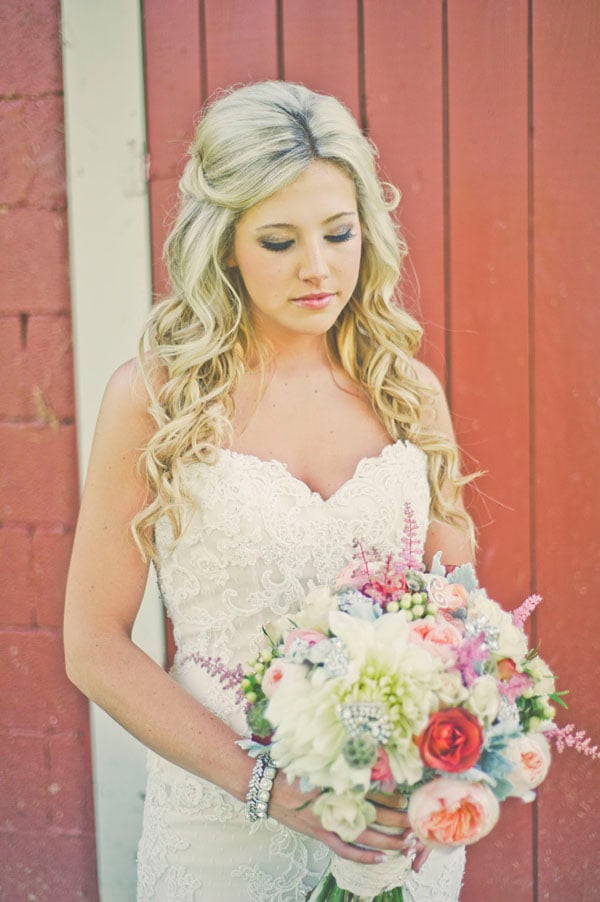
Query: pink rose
(454, 597)
(530, 755)
(309, 636)
(276, 672)
(447, 812)
(438, 636)
(447, 596)
(382, 772)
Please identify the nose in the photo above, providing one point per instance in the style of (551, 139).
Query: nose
(313, 264)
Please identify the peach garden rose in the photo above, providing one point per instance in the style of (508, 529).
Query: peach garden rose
(447, 812)
(530, 755)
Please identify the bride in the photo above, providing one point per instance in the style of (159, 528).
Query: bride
(276, 414)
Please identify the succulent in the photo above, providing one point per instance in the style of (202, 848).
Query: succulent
(361, 750)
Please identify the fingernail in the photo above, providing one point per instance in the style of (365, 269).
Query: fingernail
(380, 859)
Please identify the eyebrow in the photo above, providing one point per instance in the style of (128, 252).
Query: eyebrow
(288, 225)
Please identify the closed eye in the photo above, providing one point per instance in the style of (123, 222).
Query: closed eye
(277, 245)
(341, 236)
(284, 245)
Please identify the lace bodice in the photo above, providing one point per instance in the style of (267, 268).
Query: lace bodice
(257, 539)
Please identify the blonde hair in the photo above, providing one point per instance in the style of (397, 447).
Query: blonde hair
(249, 144)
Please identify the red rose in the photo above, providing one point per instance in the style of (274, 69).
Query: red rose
(451, 740)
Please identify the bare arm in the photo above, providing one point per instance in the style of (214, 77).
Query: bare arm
(104, 591)
(453, 541)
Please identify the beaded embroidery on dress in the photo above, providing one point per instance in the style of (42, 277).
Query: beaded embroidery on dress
(258, 539)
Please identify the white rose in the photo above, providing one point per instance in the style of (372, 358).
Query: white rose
(346, 814)
(317, 606)
(530, 755)
(542, 676)
(277, 671)
(452, 692)
(484, 699)
(512, 642)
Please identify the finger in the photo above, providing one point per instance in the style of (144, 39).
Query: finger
(388, 817)
(350, 852)
(383, 841)
(392, 800)
(420, 859)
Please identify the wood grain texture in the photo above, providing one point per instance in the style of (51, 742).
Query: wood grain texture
(241, 42)
(488, 340)
(404, 94)
(566, 39)
(320, 48)
(172, 46)
(489, 275)
(487, 214)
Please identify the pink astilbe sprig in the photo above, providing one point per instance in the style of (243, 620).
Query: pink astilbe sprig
(566, 737)
(473, 651)
(411, 548)
(525, 610)
(387, 583)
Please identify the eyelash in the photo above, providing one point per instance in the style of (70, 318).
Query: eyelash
(284, 245)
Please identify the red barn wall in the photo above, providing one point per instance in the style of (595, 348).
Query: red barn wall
(484, 117)
(47, 847)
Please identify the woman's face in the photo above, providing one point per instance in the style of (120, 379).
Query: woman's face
(298, 253)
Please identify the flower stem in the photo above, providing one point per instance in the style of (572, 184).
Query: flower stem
(329, 891)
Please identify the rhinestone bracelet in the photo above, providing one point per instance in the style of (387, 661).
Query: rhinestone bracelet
(259, 788)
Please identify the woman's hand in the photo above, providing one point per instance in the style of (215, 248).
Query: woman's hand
(293, 808)
(391, 813)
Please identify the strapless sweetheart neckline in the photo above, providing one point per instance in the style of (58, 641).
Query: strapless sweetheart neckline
(367, 460)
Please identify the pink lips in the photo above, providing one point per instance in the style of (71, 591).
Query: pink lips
(313, 301)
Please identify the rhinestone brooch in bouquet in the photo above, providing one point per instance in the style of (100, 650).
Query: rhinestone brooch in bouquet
(399, 679)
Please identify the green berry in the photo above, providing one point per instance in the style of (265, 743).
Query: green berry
(392, 607)
(257, 721)
(251, 697)
(418, 611)
(406, 601)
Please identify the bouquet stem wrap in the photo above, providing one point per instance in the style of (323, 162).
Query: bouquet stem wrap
(349, 881)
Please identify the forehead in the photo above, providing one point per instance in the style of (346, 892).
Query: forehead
(323, 190)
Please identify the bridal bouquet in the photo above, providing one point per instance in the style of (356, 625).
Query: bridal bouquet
(403, 680)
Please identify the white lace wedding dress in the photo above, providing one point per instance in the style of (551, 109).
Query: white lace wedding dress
(258, 539)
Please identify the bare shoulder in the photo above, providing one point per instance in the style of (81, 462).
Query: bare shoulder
(427, 377)
(436, 413)
(128, 398)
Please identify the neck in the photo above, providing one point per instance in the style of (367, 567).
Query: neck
(291, 350)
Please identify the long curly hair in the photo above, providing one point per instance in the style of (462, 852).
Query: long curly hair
(250, 143)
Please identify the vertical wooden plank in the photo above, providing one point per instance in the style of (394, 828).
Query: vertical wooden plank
(488, 322)
(173, 65)
(566, 38)
(404, 90)
(110, 290)
(173, 74)
(311, 29)
(241, 42)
